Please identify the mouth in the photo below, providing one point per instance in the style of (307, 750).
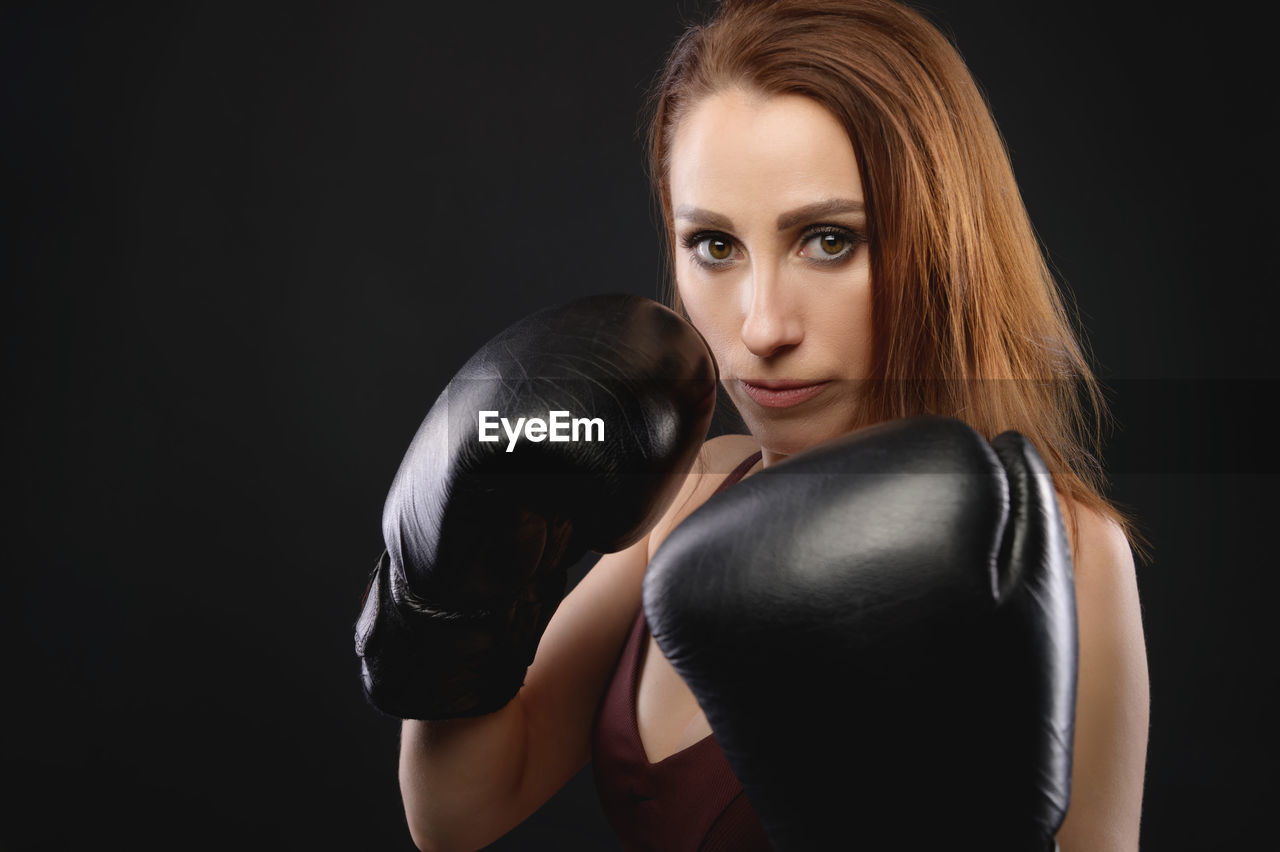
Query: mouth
(782, 394)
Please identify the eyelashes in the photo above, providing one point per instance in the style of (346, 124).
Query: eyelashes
(705, 246)
(822, 245)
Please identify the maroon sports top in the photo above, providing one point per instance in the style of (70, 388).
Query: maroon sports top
(690, 800)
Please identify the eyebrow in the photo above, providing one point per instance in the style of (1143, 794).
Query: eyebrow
(790, 219)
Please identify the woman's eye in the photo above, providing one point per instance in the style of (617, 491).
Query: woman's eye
(710, 250)
(715, 249)
(829, 245)
(832, 243)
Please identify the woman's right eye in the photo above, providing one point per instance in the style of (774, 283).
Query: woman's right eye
(710, 249)
(715, 249)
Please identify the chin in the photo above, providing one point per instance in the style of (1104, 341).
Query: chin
(791, 438)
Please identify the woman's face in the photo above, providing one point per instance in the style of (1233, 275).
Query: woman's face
(771, 261)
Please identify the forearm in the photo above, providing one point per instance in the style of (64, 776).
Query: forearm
(460, 778)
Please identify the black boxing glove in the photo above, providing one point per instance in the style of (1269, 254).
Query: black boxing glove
(882, 633)
(480, 533)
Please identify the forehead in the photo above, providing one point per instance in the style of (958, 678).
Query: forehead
(739, 151)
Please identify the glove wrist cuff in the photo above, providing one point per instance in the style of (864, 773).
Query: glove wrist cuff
(435, 665)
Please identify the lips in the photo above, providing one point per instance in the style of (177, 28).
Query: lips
(782, 393)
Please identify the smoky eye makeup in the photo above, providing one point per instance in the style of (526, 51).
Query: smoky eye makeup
(823, 245)
(832, 244)
(709, 249)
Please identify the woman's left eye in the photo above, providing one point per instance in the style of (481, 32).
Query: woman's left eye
(828, 246)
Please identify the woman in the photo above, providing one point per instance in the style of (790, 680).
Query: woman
(846, 234)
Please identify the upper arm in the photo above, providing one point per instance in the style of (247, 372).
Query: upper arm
(1112, 693)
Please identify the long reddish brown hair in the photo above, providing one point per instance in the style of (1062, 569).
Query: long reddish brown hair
(967, 319)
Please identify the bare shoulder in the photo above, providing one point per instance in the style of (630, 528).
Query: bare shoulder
(1098, 544)
(1108, 608)
(1113, 690)
(1109, 612)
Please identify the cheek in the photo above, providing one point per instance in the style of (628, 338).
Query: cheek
(696, 306)
(711, 321)
(855, 329)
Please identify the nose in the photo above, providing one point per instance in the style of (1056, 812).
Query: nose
(772, 322)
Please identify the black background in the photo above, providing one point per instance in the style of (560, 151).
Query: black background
(247, 245)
